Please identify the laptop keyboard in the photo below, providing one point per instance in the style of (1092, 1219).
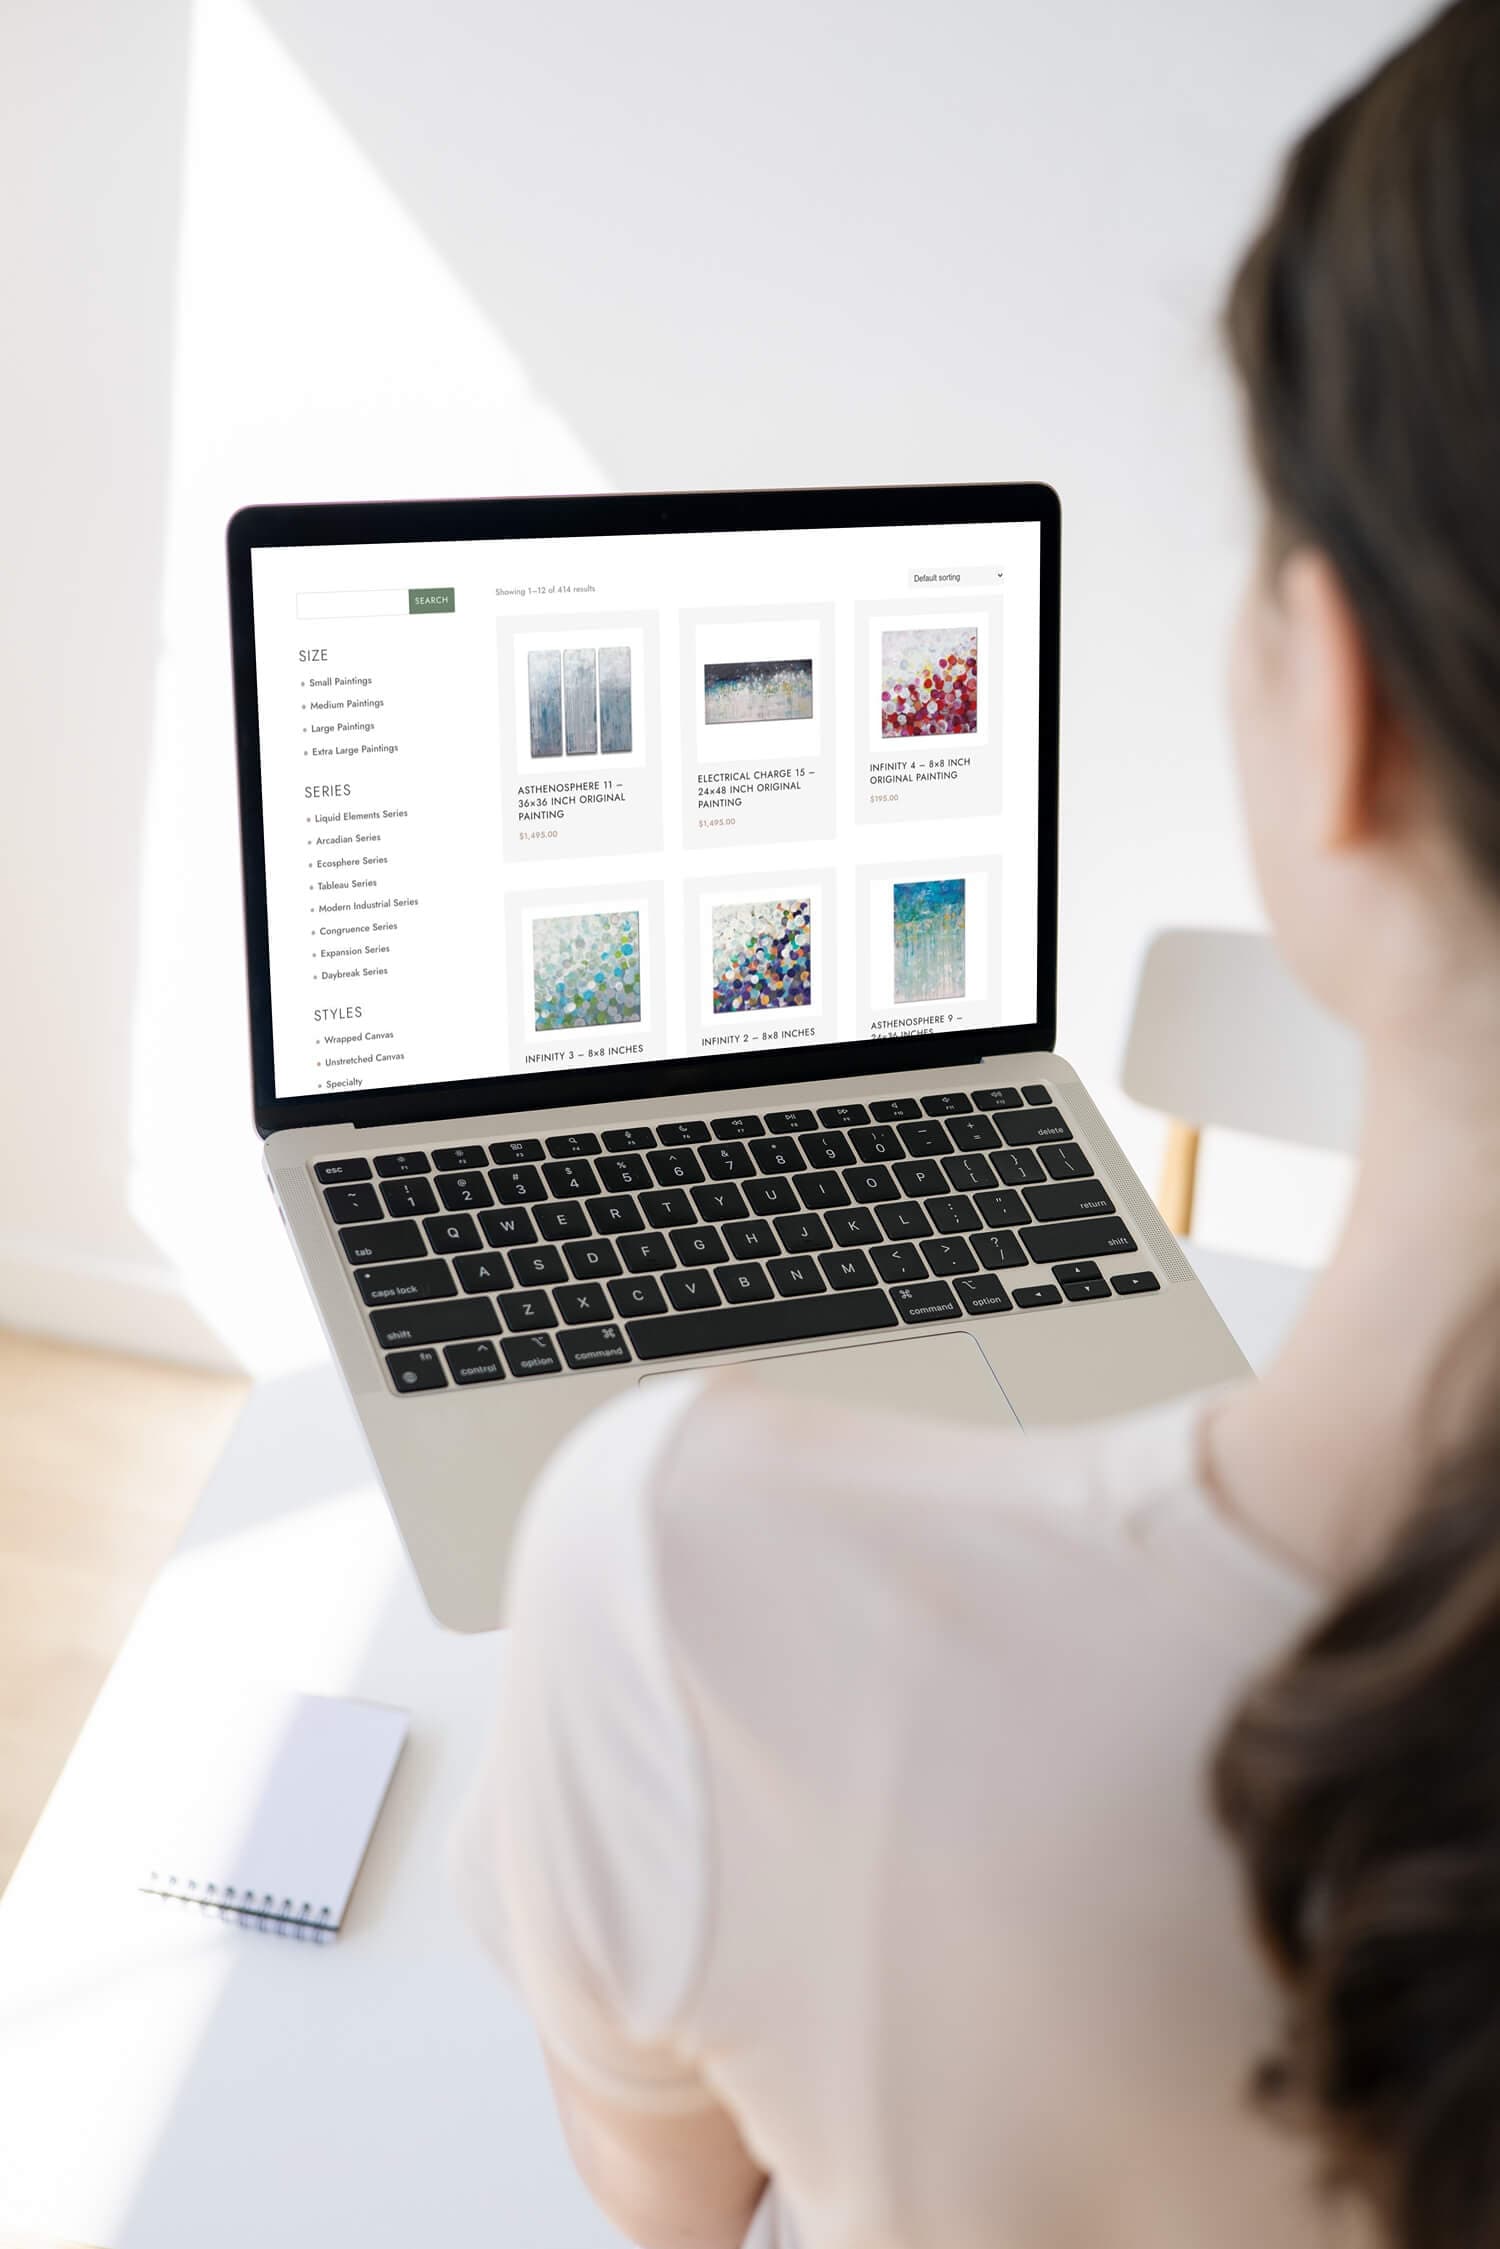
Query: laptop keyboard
(519, 1258)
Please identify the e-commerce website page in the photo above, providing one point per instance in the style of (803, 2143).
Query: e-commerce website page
(546, 804)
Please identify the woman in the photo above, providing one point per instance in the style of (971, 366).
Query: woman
(849, 1827)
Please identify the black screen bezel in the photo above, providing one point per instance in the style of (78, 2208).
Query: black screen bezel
(618, 515)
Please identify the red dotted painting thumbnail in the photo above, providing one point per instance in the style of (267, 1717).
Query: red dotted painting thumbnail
(929, 680)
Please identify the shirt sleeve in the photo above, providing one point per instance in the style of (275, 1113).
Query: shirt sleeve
(582, 1856)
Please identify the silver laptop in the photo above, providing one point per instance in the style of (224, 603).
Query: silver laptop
(651, 913)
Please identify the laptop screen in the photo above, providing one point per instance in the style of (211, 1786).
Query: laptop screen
(540, 804)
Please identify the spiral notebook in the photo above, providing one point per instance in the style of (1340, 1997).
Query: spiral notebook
(267, 1810)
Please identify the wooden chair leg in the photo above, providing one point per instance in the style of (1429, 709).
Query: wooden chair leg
(1179, 1176)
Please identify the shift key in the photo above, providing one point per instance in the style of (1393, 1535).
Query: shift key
(1085, 1237)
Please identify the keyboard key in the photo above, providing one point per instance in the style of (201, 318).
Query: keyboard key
(615, 1214)
(925, 1177)
(481, 1275)
(581, 1303)
(538, 1268)
(409, 1198)
(854, 1229)
(691, 1292)
(950, 1255)
(877, 1144)
(998, 1097)
(1080, 1237)
(715, 1204)
(1018, 1167)
(683, 1132)
(738, 1128)
(752, 1238)
(822, 1190)
(1037, 1095)
(779, 1154)
(667, 1206)
(458, 1159)
(953, 1214)
(1081, 1269)
(645, 1253)
(847, 1268)
(699, 1245)
(675, 1167)
(968, 1174)
(561, 1222)
(946, 1104)
(507, 1229)
(406, 1284)
(623, 1175)
(448, 1235)
(728, 1159)
(769, 1198)
(1003, 1209)
(1070, 1198)
(921, 1301)
(567, 1180)
(1031, 1125)
(434, 1323)
(417, 1370)
(594, 1347)
(804, 1233)
(1027, 1299)
(636, 1298)
(997, 1251)
(531, 1354)
(1134, 1284)
(464, 1190)
(742, 1326)
(469, 1363)
(348, 1205)
(872, 1183)
(620, 1139)
(968, 1133)
(573, 1144)
(1067, 1161)
(825, 1151)
(899, 1261)
(929, 1138)
(383, 1244)
(843, 1114)
(515, 1152)
(593, 1261)
(743, 1284)
(904, 1222)
(1082, 1292)
(341, 1171)
(791, 1120)
(518, 1183)
(527, 1309)
(982, 1294)
(404, 1165)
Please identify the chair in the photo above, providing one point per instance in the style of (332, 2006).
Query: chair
(1222, 1035)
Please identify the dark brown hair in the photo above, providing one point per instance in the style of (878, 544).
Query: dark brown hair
(1361, 1779)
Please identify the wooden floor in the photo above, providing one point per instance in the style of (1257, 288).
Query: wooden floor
(101, 1460)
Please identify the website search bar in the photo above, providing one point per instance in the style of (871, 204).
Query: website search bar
(384, 601)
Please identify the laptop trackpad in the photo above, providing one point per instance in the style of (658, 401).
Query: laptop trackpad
(942, 1377)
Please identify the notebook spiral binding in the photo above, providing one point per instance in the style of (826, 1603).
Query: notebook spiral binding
(282, 1917)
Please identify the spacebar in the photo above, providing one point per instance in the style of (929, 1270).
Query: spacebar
(740, 1326)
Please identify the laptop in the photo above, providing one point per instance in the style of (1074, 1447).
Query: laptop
(651, 910)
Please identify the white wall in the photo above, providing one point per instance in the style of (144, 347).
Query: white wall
(473, 247)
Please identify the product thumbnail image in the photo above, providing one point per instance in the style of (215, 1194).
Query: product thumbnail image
(579, 699)
(927, 928)
(750, 694)
(586, 971)
(929, 680)
(762, 955)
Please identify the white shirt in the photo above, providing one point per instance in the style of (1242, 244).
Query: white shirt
(851, 1772)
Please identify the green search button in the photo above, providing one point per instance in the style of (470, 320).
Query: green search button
(425, 601)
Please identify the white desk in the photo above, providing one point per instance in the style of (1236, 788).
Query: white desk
(166, 2083)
